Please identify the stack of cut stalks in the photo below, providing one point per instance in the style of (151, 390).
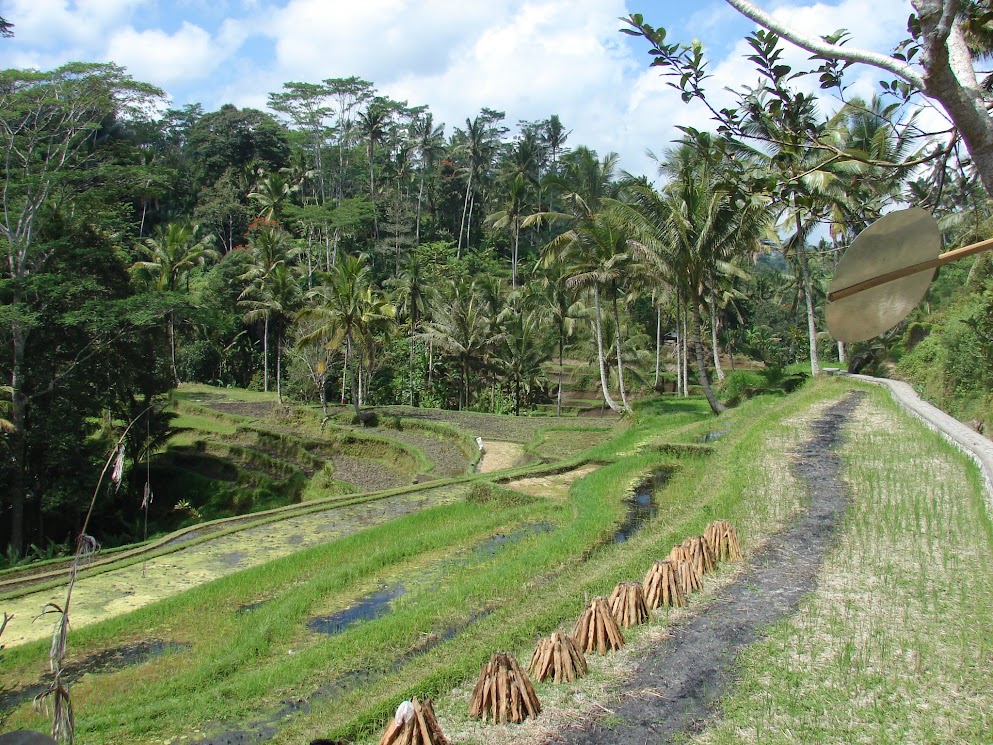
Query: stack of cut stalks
(661, 586)
(414, 724)
(722, 537)
(689, 580)
(557, 656)
(627, 604)
(597, 630)
(504, 692)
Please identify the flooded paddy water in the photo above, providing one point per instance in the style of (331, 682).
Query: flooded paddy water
(122, 590)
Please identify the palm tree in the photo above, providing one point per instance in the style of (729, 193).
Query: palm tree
(349, 310)
(271, 192)
(510, 217)
(462, 328)
(414, 296)
(273, 299)
(522, 350)
(430, 143)
(269, 245)
(479, 146)
(169, 257)
(595, 255)
(693, 228)
(559, 301)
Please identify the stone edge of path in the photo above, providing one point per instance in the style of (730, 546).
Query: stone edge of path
(973, 444)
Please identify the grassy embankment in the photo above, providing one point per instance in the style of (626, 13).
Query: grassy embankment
(896, 644)
(459, 605)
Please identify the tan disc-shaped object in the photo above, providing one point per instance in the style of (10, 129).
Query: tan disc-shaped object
(896, 243)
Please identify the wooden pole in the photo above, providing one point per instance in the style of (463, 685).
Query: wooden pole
(945, 258)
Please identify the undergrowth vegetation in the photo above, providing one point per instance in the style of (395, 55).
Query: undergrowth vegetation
(251, 648)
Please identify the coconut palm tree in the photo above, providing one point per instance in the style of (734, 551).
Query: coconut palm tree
(273, 298)
(559, 302)
(414, 296)
(430, 143)
(169, 255)
(691, 229)
(522, 349)
(462, 328)
(349, 310)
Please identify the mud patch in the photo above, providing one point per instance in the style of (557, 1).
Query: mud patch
(677, 687)
(105, 661)
(554, 485)
(499, 455)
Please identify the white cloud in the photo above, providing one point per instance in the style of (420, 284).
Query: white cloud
(162, 58)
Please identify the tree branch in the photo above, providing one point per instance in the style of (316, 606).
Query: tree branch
(822, 48)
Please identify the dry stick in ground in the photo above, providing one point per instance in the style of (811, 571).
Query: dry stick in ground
(661, 586)
(557, 656)
(504, 692)
(414, 724)
(627, 604)
(723, 539)
(597, 630)
(689, 580)
(700, 554)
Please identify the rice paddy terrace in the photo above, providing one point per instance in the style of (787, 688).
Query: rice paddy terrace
(372, 564)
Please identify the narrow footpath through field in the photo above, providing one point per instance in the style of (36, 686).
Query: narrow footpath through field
(675, 688)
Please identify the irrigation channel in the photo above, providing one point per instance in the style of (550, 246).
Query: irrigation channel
(675, 689)
(641, 506)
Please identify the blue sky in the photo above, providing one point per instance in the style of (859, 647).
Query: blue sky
(529, 58)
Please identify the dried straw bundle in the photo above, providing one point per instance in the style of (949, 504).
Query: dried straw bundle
(597, 630)
(557, 656)
(689, 580)
(661, 586)
(414, 724)
(627, 604)
(700, 554)
(504, 692)
(723, 539)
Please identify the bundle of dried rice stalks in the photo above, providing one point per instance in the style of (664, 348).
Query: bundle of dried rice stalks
(627, 604)
(701, 556)
(504, 692)
(722, 537)
(557, 656)
(414, 724)
(597, 630)
(661, 586)
(689, 580)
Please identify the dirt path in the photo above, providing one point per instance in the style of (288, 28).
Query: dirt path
(498, 455)
(676, 687)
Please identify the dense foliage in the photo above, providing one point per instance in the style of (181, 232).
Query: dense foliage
(347, 248)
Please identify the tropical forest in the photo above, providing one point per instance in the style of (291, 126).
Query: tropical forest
(316, 418)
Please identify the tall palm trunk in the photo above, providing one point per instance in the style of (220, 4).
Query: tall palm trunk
(279, 367)
(265, 354)
(465, 210)
(679, 347)
(658, 345)
(16, 440)
(808, 295)
(701, 368)
(558, 398)
(420, 202)
(713, 340)
(352, 376)
(171, 330)
(601, 358)
(620, 359)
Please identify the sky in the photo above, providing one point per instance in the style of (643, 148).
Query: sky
(527, 58)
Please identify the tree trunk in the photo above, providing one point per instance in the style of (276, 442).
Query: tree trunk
(679, 347)
(713, 339)
(410, 364)
(842, 355)
(420, 202)
(265, 354)
(808, 294)
(513, 260)
(658, 346)
(701, 368)
(465, 210)
(686, 356)
(620, 360)
(558, 398)
(16, 439)
(171, 330)
(598, 323)
(279, 368)
(353, 378)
